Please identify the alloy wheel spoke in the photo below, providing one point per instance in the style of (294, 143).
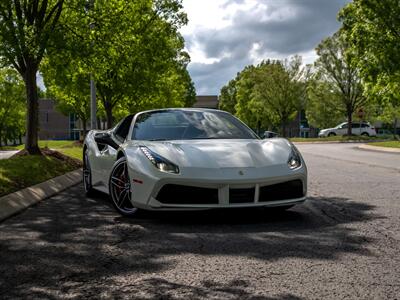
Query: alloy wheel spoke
(118, 182)
(121, 188)
(121, 199)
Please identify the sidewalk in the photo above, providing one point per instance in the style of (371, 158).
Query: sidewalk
(7, 154)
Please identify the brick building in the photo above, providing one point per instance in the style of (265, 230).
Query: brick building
(54, 125)
(209, 101)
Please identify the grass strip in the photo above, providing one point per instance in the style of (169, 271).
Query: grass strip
(23, 171)
(390, 144)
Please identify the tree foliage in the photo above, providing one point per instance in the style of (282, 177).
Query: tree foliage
(134, 51)
(68, 82)
(12, 105)
(372, 29)
(322, 104)
(334, 65)
(25, 30)
(271, 93)
(227, 97)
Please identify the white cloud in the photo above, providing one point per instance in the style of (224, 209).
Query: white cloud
(223, 36)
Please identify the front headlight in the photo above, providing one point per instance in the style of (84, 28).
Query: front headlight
(294, 160)
(159, 162)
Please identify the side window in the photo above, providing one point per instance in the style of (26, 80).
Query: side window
(344, 126)
(355, 125)
(122, 131)
(364, 125)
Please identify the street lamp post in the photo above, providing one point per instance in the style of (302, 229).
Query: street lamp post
(93, 106)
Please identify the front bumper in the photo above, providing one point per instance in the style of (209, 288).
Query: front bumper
(179, 193)
(323, 134)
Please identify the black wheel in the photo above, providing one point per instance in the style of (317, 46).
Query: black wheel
(120, 188)
(331, 134)
(365, 134)
(87, 174)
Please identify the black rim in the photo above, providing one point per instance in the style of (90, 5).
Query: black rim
(87, 175)
(120, 188)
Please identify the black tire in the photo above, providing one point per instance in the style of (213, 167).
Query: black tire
(331, 134)
(120, 188)
(365, 134)
(87, 174)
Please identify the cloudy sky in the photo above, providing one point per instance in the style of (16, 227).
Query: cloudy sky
(223, 36)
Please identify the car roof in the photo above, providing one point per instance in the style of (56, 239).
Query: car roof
(356, 122)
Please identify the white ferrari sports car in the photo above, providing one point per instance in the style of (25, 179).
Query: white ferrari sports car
(191, 159)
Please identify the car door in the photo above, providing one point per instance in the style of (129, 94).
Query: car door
(119, 135)
(342, 130)
(355, 128)
(107, 155)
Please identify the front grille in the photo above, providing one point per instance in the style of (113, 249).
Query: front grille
(183, 194)
(241, 195)
(281, 191)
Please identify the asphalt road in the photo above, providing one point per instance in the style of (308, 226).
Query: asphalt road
(343, 243)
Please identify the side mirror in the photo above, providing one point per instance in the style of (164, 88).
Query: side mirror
(269, 134)
(105, 138)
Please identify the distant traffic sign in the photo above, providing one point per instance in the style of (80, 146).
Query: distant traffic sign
(360, 113)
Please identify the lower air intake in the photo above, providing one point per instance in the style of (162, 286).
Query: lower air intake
(183, 194)
(282, 191)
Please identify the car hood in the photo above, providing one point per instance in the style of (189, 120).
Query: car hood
(221, 153)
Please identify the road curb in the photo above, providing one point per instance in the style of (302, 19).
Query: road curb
(379, 149)
(14, 203)
(340, 142)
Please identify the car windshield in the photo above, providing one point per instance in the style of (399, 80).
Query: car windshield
(189, 125)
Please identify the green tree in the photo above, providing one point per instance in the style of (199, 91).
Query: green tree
(227, 97)
(372, 29)
(247, 108)
(68, 82)
(272, 93)
(334, 65)
(131, 49)
(322, 104)
(25, 30)
(12, 105)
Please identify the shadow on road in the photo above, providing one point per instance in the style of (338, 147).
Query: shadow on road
(71, 246)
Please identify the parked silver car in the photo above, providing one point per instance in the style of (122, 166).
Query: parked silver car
(364, 128)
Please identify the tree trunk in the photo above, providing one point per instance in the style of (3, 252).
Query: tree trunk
(258, 127)
(394, 129)
(32, 116)
(20, 139)
(349, 121)
(283, 128)
(109, 116)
